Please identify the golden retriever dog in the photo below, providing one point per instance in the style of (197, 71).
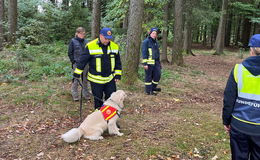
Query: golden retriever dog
(95, 123)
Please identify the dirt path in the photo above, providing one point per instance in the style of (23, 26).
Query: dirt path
(182, 122)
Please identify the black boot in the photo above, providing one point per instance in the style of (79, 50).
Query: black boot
(151, 93)
(157, 89)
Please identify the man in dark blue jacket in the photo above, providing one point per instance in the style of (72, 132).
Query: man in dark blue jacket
(76, 47)
(151, 62)
(241, 111)
(105, 69)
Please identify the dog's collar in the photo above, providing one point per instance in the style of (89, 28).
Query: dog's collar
(116, 103)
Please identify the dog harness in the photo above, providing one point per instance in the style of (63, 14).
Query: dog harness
(108, 112)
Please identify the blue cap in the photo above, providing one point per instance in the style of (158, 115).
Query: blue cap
(254, 41)
(106, 32)
(154, 29)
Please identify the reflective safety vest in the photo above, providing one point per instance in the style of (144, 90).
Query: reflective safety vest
(247, 106)
(108, 112)
(150, 59)
(95, 73)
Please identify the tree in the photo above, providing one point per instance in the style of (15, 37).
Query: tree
(96, 16)
(188, 28)
(219, 44)
(12, 20)
(177, 57)
(134, 32)
(1, 24)
(164, 58)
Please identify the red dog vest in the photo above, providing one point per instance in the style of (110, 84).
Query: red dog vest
(108, 112)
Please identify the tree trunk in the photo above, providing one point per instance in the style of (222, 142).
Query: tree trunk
(134, 32)
(188, 28)
(12, 20)
(219, 44)
(164, 58)
(246, 32)
(1, 24)
(96, 17)
(238, 29)
(177, 57)
(204, 40)
(228, 29)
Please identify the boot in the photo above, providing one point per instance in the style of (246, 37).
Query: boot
(157, 89)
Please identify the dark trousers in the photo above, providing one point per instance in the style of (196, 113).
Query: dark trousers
(152, 76)
(243, 146)
(98, 91)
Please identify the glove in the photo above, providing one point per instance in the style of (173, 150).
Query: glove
(118, 77)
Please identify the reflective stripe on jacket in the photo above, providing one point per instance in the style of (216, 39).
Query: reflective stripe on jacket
(103, 67)
(247, 106)
(150, 51)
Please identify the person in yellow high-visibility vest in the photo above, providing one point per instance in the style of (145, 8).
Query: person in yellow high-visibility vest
(241, 110)
(105, 68)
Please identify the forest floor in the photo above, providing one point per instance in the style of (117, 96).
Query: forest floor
(181, 122)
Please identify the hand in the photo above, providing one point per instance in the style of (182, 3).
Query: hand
(227, 128)
(146, 67)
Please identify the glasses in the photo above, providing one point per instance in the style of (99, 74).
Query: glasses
(83, 33)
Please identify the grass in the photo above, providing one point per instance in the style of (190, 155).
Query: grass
(182, 121)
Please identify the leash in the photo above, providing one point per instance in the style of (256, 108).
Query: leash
(81, 97)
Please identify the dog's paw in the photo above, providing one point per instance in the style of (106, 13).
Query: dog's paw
(94, 137)
(120, 134)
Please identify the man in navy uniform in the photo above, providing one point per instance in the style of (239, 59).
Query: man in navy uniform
(241, 111)
(105, 68)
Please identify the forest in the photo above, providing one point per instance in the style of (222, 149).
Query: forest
(200, 42)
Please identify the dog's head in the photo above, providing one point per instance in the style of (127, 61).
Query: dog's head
(118, 97)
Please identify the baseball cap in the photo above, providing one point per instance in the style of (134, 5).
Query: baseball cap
(254, 41)
(106, 32)
(154, 29)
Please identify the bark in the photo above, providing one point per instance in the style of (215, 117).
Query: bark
(219, 44)
(164, 58)
(204, 40)
(96, 17)
(12, 20)
(228, 29)
(125, 21)
(134, 32)
(238, 29)
(177, 57)
(1, 24)
(246, 32)
(188, 29)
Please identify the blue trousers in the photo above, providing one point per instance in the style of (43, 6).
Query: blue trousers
(99, 90)
(152, 76)
(243, 146)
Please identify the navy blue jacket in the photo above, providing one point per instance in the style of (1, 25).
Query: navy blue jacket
(85, 58)
(76, 47)
(149, 42)
(252, 64)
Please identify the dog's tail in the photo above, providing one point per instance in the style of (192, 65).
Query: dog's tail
(72, 135)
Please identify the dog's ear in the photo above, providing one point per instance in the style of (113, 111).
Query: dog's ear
(122, 95)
